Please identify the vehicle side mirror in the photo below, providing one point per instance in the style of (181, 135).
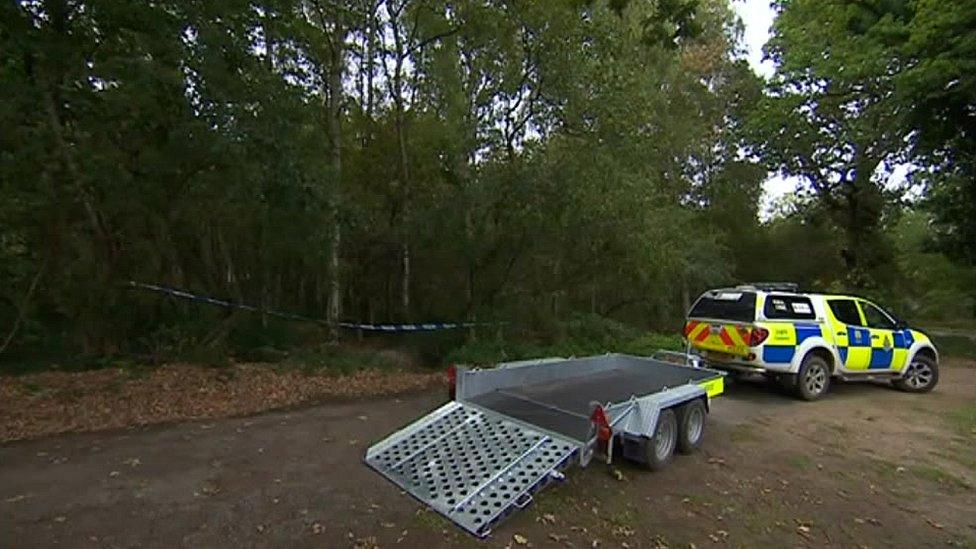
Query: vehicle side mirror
(901, 325)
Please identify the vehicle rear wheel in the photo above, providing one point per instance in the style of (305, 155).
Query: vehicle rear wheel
(691, 426)
(813, 379)
(659, 449)
(921, 376)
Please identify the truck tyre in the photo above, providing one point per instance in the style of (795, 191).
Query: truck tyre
(921, 376)
(813, 379)
(691, 426)
(659, 449)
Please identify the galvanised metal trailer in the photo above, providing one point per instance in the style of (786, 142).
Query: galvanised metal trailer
(515, 428)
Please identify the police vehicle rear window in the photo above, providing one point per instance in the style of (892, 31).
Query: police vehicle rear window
(789, 306)
(726, 305)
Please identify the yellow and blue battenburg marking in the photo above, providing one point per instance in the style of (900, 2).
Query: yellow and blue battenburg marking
(903, 340)
(864, 348)
(784, 338)
(876, 349)
(857, 352)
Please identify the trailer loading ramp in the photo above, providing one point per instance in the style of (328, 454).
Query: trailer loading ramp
(471, 466)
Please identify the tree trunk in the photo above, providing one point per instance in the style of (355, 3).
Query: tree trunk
(334, 98)
(464, 178)
(404, 176)
(405, 281)
(369, 67)
(22, 309)
(685, 297)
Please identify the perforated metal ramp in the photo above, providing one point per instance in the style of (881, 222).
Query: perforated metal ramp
(471, 465)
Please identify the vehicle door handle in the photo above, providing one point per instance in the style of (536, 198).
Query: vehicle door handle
(841, 333)
(875, 337)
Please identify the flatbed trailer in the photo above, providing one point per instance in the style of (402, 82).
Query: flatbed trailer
(515, 428)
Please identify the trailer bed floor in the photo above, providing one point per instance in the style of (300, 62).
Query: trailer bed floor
(564, 405)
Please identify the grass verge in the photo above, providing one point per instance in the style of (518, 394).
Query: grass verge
(964, 419)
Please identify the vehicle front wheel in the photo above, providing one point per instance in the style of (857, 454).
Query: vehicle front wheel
(813, 379)
(691, 426)
(921, 376)
(659, 449)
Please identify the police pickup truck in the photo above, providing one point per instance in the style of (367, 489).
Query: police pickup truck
(802, 340)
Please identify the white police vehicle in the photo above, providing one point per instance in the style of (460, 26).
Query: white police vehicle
(802, 340)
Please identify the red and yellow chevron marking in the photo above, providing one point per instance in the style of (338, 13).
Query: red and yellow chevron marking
(728, 338)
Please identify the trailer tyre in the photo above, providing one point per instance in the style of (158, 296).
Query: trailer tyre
(659, 449)
(691, 426)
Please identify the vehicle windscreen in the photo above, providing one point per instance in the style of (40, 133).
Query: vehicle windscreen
(726, 305)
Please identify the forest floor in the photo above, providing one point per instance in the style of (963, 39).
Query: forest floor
(865, 466)
(39, 404)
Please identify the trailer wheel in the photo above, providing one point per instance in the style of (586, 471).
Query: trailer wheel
(659, 449)
(691, 426)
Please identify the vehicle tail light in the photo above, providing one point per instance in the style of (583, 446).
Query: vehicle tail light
(757, 336)
(452, 381)
(602, 424)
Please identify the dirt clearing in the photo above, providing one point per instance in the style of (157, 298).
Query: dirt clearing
(867, 465)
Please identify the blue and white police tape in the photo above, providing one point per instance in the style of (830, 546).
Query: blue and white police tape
(387, 328)
(426, 327)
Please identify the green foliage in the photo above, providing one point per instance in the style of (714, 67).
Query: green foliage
(255, 332)
(215, 355)
(952, 203)
(825, 122)
(649, 342)
(582, 335)
(859, 88)
(921, 283)
(548, 164)
(933, 48)
(339, 360)
(958, 346)
(392, 161)
(934, 287)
